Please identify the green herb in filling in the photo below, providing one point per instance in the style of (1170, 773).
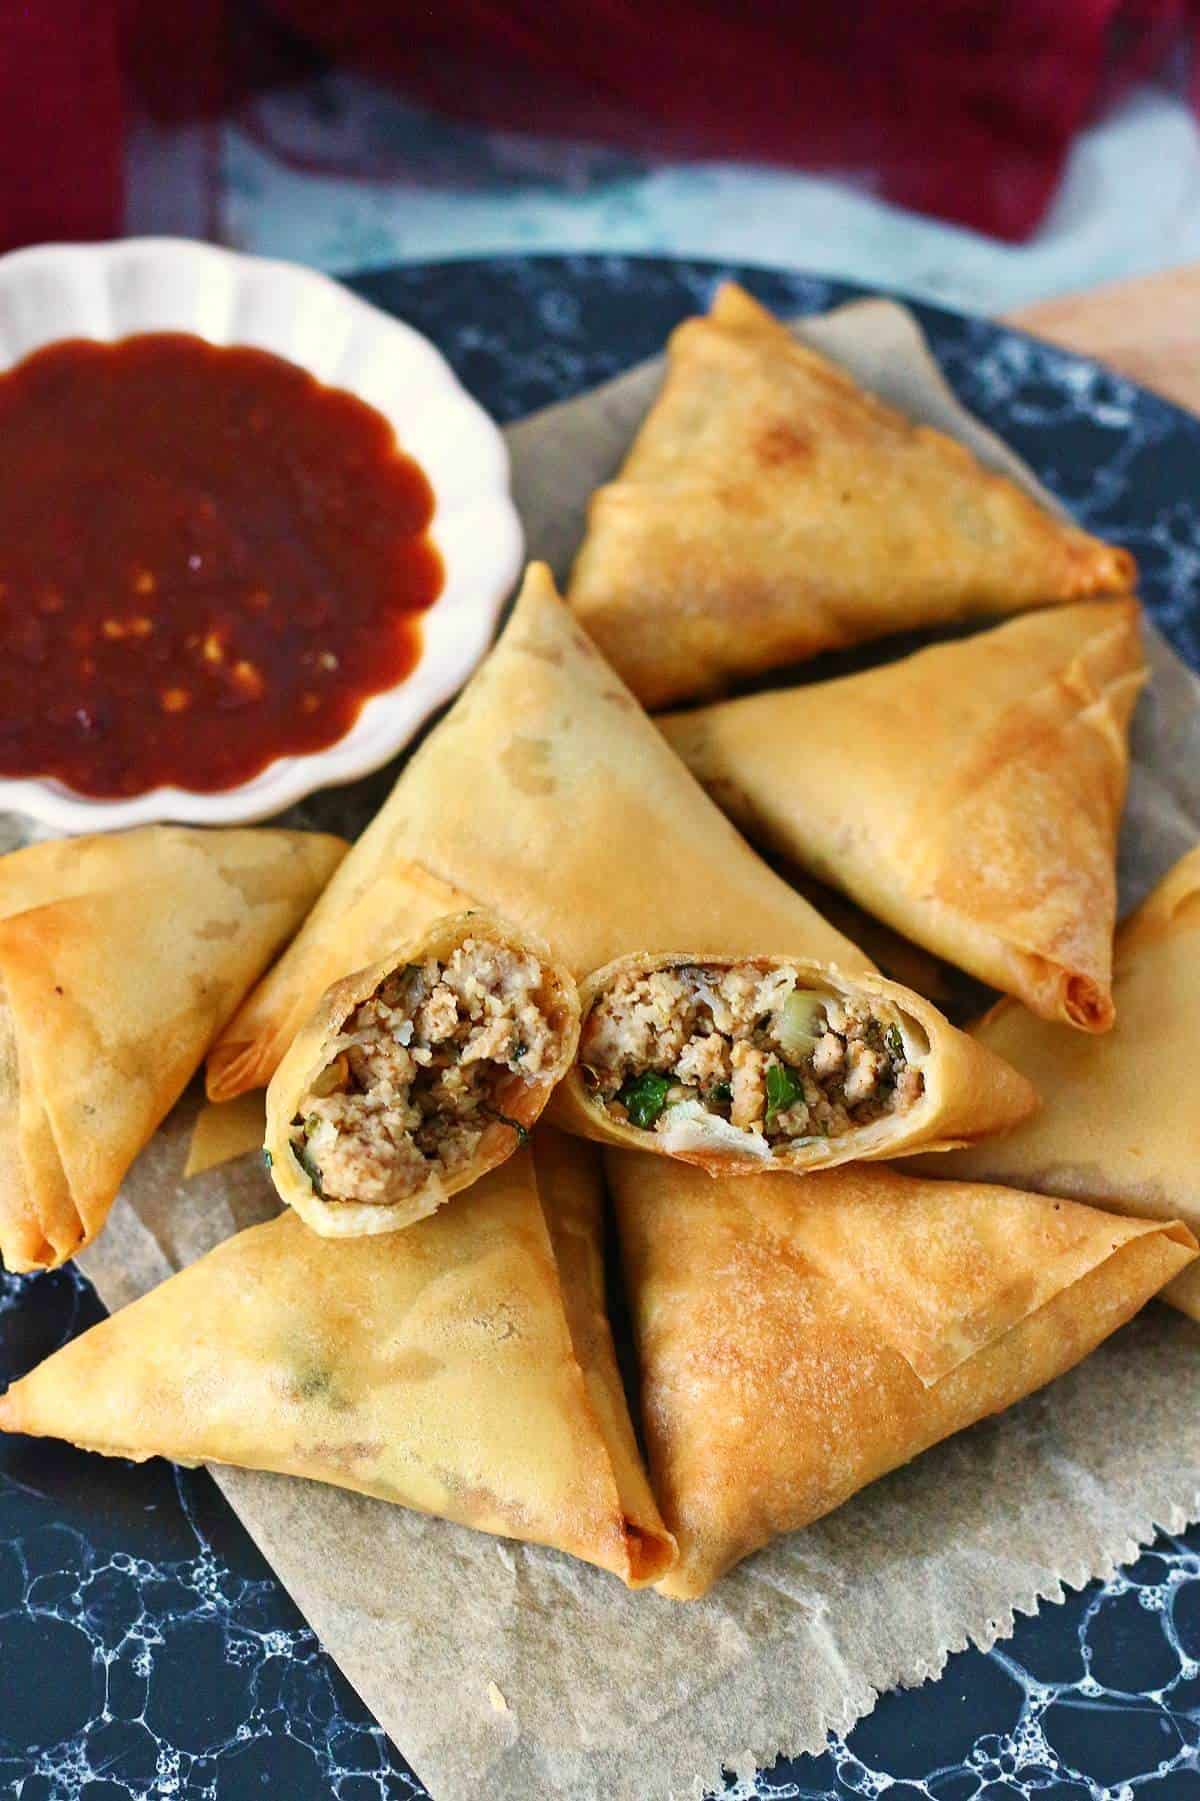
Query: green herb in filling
(783, 1090)
(894, 1040)
(720, 1094)
(644, 1097)
(310, 1169)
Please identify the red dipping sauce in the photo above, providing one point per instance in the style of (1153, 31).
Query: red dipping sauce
(207, 560)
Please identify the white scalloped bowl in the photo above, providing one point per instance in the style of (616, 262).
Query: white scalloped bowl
(109, 291)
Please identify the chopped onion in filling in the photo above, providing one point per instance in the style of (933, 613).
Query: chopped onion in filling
(756, 1050)
(415, 1076)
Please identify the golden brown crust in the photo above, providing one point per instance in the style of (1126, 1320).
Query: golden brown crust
(770, 509)
(435, 1369)
(1120, 1122)
(969, 795)
(785, 1360)
(117, 969)
(546, 795)
(224, 1130)
(571, 1186)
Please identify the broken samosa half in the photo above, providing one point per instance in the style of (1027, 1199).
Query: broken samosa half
(418, 1075)
(772, 1063)
(463, 1368)
(1120, 1123)
(798, 1338)
(770, 509)
(120, 960)
(546, 796)
(969, 796)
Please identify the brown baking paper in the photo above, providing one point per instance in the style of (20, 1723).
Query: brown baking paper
(510, 1671)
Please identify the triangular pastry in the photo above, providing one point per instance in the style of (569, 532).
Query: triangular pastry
(770, 508)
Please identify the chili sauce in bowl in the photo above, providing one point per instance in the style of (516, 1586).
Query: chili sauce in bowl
(208, 560)
(253, 533)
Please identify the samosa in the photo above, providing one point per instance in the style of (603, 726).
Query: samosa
(969, 795)
(775, 1063)
(770, 509)
(546, 796)
(464, 1367)
(120, 960)
(1120, 1124)
(800, 1337)
(225, 1130)
(417, 1075)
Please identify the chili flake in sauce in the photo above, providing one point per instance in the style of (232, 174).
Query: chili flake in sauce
(207, 560)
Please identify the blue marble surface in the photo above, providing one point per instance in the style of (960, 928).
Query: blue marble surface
(146, 1649)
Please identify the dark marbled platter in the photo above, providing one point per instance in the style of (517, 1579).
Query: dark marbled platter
(146, 1649)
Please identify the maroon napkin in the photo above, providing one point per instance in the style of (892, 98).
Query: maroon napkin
(960, 108)
(61, 120)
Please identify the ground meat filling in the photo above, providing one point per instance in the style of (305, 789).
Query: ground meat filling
(755, 1048)
(415, 1076)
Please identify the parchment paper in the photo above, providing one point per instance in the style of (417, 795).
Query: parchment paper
(602, 1694)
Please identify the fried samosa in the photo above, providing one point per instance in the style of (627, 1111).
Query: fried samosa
(799, 1338)
(770, 509)
(546, 796)
(418, 1075)
(1120, 1123)
(969, 795)
(225, 1130)
(120, 960)
(774, 1063)
(463, 1368)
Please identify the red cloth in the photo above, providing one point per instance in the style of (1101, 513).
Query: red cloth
(61, 120)
(960, 108)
